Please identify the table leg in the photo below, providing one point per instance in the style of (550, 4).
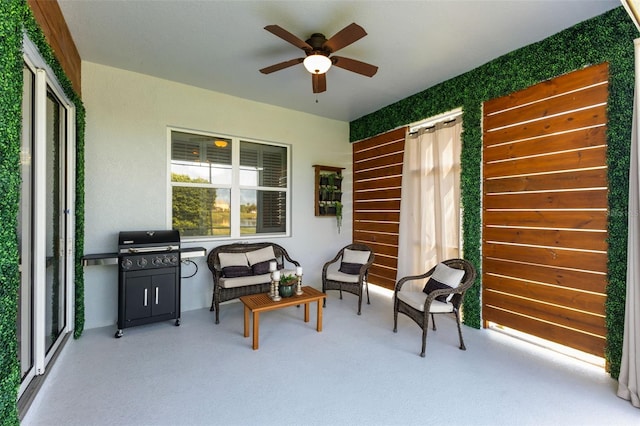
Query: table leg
(246, 321)
(256, 329)
(306, 312)
(319, 319)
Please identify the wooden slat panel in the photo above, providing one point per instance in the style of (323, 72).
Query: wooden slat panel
(381, 281)
(383, 251)
(377, 162)
(582, 138)
(569, 278)
(376, 174)
(579, 300)
(562, 84)
(381, 194)
(388, 216)
(591, 178)
(392, 136)
(581, 341)
(389, 148)
(377, 205)
(383, 182)
(544, 166)
(589, 117)
(588, 199)
(548, 219)
(560, 315)
(593, 157)
(596, 262)
(376, 223)
(557, 105)
(585, 240)
(390, 239)
(391, 228)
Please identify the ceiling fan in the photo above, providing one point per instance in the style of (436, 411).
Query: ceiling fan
(319, 51)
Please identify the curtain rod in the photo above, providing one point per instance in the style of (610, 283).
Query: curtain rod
(432, 121)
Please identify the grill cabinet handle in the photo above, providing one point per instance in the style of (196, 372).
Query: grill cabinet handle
(145, 296)
(156, 295)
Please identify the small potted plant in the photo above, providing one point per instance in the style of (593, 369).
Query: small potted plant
(287, 282)
(338, 205)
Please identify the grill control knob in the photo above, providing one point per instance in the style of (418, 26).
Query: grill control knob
(142, 262)
(166, 260)
(156, 261)
(174, 259)
(127, 263)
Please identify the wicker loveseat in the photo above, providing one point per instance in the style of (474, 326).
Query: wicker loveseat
(231, 280)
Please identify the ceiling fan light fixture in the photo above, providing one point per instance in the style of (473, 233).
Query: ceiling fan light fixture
(317, 63)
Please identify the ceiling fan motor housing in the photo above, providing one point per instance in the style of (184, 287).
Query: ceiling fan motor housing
(317, 41)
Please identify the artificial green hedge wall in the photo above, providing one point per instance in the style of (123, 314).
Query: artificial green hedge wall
(16, 17)
(606, 38)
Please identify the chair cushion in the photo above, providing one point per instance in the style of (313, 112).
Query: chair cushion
(416, 300)
(261, 255)
(352, 261)
(341, 276)
(444, 277)
(232, 259)
(355, 256)
(251, 279)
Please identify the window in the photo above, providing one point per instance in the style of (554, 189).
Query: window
(227, 186)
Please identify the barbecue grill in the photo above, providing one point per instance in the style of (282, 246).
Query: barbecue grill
(148, 278)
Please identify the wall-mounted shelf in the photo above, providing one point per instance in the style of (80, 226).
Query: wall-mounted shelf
(328, 189)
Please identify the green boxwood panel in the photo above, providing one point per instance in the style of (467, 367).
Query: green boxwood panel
(605, 38)
(16, 17)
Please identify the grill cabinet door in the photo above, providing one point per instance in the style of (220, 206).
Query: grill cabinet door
(138, 298)
(163, 292)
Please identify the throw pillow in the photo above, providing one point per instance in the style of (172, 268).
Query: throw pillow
(262, 267)
(236, 271)
(232, 259)
(350, 268)
(444, 277)
(260, 255)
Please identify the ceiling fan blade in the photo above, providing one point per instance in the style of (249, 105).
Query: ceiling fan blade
(319, 82)
(354, 66)
(288, 37)
(281, 66)
(349, 34)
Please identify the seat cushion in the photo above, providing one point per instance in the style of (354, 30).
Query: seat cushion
(251, 279)
(416, 300)
(341, 276)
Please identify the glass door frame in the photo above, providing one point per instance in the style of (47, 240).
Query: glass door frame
(45, 80)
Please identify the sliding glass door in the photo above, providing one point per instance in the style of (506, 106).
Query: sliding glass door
(45, 222)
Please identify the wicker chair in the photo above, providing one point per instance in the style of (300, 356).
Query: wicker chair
(417, 305)
(333, 279)
(222, 294)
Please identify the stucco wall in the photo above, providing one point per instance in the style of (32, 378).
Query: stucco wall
(127, 186)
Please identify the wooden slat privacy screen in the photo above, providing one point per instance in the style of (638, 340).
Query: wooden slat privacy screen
(544, 227)
(377, 181)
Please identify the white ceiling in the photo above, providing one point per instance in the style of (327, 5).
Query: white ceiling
(221, 45)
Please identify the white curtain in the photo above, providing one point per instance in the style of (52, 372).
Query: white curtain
(629, 379)
(430, 205)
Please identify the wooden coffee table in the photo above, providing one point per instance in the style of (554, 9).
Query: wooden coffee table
(257, 303)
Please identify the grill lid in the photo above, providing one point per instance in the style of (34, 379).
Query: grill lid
(134, 241)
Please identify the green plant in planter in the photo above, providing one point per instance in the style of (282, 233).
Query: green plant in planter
(338, 205)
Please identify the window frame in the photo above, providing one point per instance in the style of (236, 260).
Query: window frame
(235, 187)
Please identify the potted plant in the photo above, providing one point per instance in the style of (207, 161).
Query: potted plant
(287, 282)
(322, 207)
